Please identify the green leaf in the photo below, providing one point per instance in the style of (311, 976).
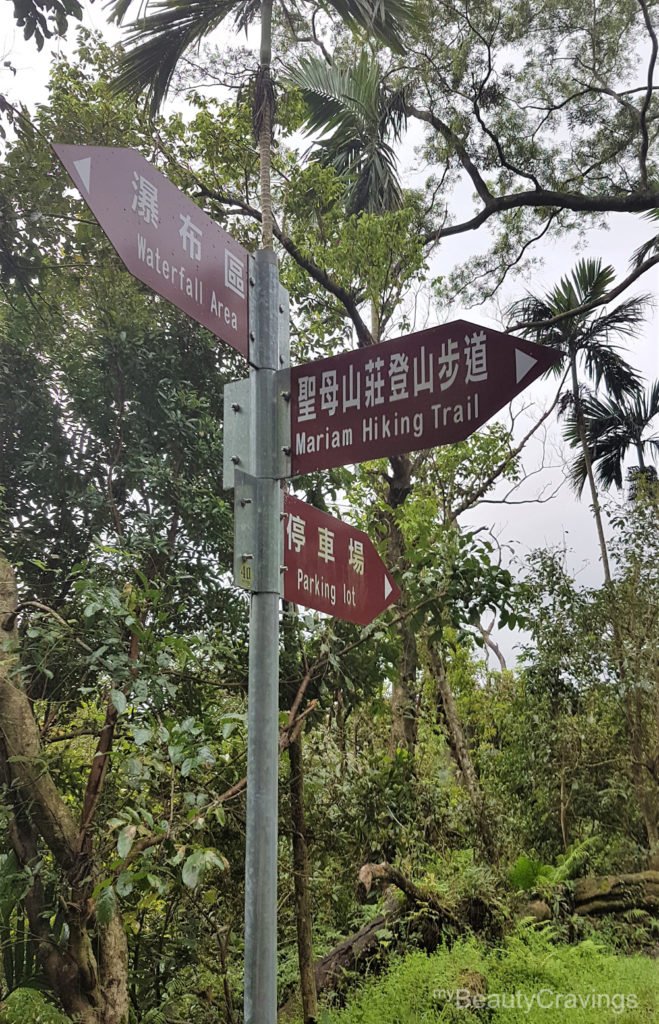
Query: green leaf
(125, 840)
(193, 869)
(199, 863)
(119, 700)
(125, 883)
(106, 904)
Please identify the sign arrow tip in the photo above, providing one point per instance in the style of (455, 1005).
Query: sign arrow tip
(523, 364)
(387, 587)
(84, 168)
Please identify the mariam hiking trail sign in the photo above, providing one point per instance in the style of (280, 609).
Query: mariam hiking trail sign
(431, 388)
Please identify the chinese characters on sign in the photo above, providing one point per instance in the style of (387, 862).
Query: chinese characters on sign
(164, 239)
(333, 567)
(431, 388)
(404, 378)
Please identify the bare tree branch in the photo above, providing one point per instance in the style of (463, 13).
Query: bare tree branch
(645, 138)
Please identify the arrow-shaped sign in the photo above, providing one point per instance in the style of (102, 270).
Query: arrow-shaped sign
(431, 388)
(333, 567)
(327, 564)
(164, 239)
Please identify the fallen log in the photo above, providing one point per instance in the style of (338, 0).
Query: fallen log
(613, 894)
(360, 950)
(608, 894)
(345, 958)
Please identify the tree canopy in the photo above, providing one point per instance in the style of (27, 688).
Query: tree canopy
(428, 801)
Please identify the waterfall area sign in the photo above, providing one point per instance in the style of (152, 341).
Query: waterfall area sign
(163, 238)
(427, 389)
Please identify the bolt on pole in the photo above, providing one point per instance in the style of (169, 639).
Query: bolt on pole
(263, 682)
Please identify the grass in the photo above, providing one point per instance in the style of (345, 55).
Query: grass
(529, 979)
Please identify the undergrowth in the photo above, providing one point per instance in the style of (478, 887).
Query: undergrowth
(529, 978)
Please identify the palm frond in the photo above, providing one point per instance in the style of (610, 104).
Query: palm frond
(612, 428)
(524, 314)
(577, 469)
(387, 20)
(605, 365)
(652, 401)
(359, 120)
(528, 311)
(624, 319)
(647, 248)
(161, 38)
(578, 474)
(587, 281)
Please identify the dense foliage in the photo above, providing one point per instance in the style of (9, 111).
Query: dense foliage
(470, 798)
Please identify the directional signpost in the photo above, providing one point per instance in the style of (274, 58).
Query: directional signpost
(164, 239)
(327, 564)
(427, 389)
(333, 567)
(431, 388)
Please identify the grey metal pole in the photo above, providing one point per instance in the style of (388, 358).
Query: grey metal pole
(263, 684)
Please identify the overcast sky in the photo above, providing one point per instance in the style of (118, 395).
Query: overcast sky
(561, 521)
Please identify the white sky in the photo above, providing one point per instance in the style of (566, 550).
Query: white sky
(561, 521)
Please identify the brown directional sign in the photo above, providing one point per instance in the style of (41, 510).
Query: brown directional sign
(164, 239)
(333, 567)
(427, 389)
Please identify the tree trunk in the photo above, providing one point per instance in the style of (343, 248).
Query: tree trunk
(263, 115)
(404, 688)
(612, 894)
(597, 511)
(301, 881)
(461, 754)
(90, 974)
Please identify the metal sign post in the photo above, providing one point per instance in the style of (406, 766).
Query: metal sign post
(266, 310)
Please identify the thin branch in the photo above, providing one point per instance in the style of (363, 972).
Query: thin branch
(450, 136)
(64, 737)
(483, 488)
(8, 624)
(645, 138)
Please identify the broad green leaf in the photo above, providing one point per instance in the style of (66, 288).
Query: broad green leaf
(118, 698)
(125, 840)
(106, 904)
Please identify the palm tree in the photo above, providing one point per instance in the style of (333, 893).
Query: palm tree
(158, 40)
(613, 427)
(361, 120)
(650, 249)
(585, 341)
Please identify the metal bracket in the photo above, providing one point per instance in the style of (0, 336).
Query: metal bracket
(237, 450)
(245, 555)
(283, 391)
(284, 322)
(238, 453)
(244, 535)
